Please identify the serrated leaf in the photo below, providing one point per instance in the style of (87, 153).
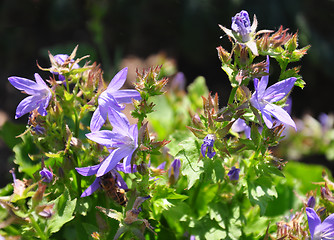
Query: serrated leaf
(261, 191)
(190, 155)
(64, 208)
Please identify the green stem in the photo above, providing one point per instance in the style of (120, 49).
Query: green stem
(37, 228)
(232, 95)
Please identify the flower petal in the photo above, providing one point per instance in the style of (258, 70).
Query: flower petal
(267, 119)
(279, 90)
(27, 105)
(119, 180)
(111, 161)
(98, 119)
(203, 149)
(126, 96)
(104, 137)
(92, 188)
(313, 220)
(43, 104)
(23, 84)
(40, 82)
(280, 114)
(118, 121)
(88, 171)
(118, 81)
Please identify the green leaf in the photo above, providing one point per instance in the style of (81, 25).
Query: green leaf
(190, 156)
(64, 208)
(9, 131)
(261, 192)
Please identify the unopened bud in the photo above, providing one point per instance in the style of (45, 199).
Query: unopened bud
(224, 56)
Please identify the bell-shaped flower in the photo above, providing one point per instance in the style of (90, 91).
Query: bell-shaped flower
(207, 146)
(243, 31)
(264, 98)
(112, 98)
(91, 170)
(233, 174)
(46, 175)
(60, 59)
(240, 126)
(122, 141)
(174, 171)
(320, 230)
(40, 95)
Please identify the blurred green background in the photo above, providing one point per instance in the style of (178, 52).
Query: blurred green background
(185, 30)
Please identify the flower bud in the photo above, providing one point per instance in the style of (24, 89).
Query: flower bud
(46, 175)
(224, 56)
(233, 174)
(311, 202)
(174, 171)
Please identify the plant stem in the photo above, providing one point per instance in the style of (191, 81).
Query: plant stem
(232, 95)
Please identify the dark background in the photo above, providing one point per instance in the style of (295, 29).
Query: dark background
(186, 30)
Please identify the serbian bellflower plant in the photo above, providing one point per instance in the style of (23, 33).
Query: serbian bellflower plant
(264, 98)
(112, 98)
(39, 91)
(122, 141)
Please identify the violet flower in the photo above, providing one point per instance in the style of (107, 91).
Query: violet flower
(60, 59)
(233, 174)
(242, 25)
(311, 202)
(122, 141)
(39, 91)
(46, 175)
(320, 230)
(174, 170)
(91, 170)
(111, 98)
(240, 126)
(263, 99)
(208, 143)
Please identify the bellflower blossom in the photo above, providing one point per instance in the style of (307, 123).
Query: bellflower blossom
(240, 126)
(111, 98)
(122, 141)
(46, 175)
(208, 143)
(233, 174)
(243, 31)
(263, 99)
(241, 25)
(320, 230)
(174, 170)
(60, 59)
(39, 91)
(91, 170)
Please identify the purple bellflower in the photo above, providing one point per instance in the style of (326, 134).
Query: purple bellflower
(60, 59)
(263, 99)
(240, 126)
(174, 170)
(320, 230)
(88, 171)
(311, 202)
(46, 175)
(233, 174)
(243, 31)
(122, 141)
(39, 91)
(112, 98)
(208, 143)
(242, 25)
